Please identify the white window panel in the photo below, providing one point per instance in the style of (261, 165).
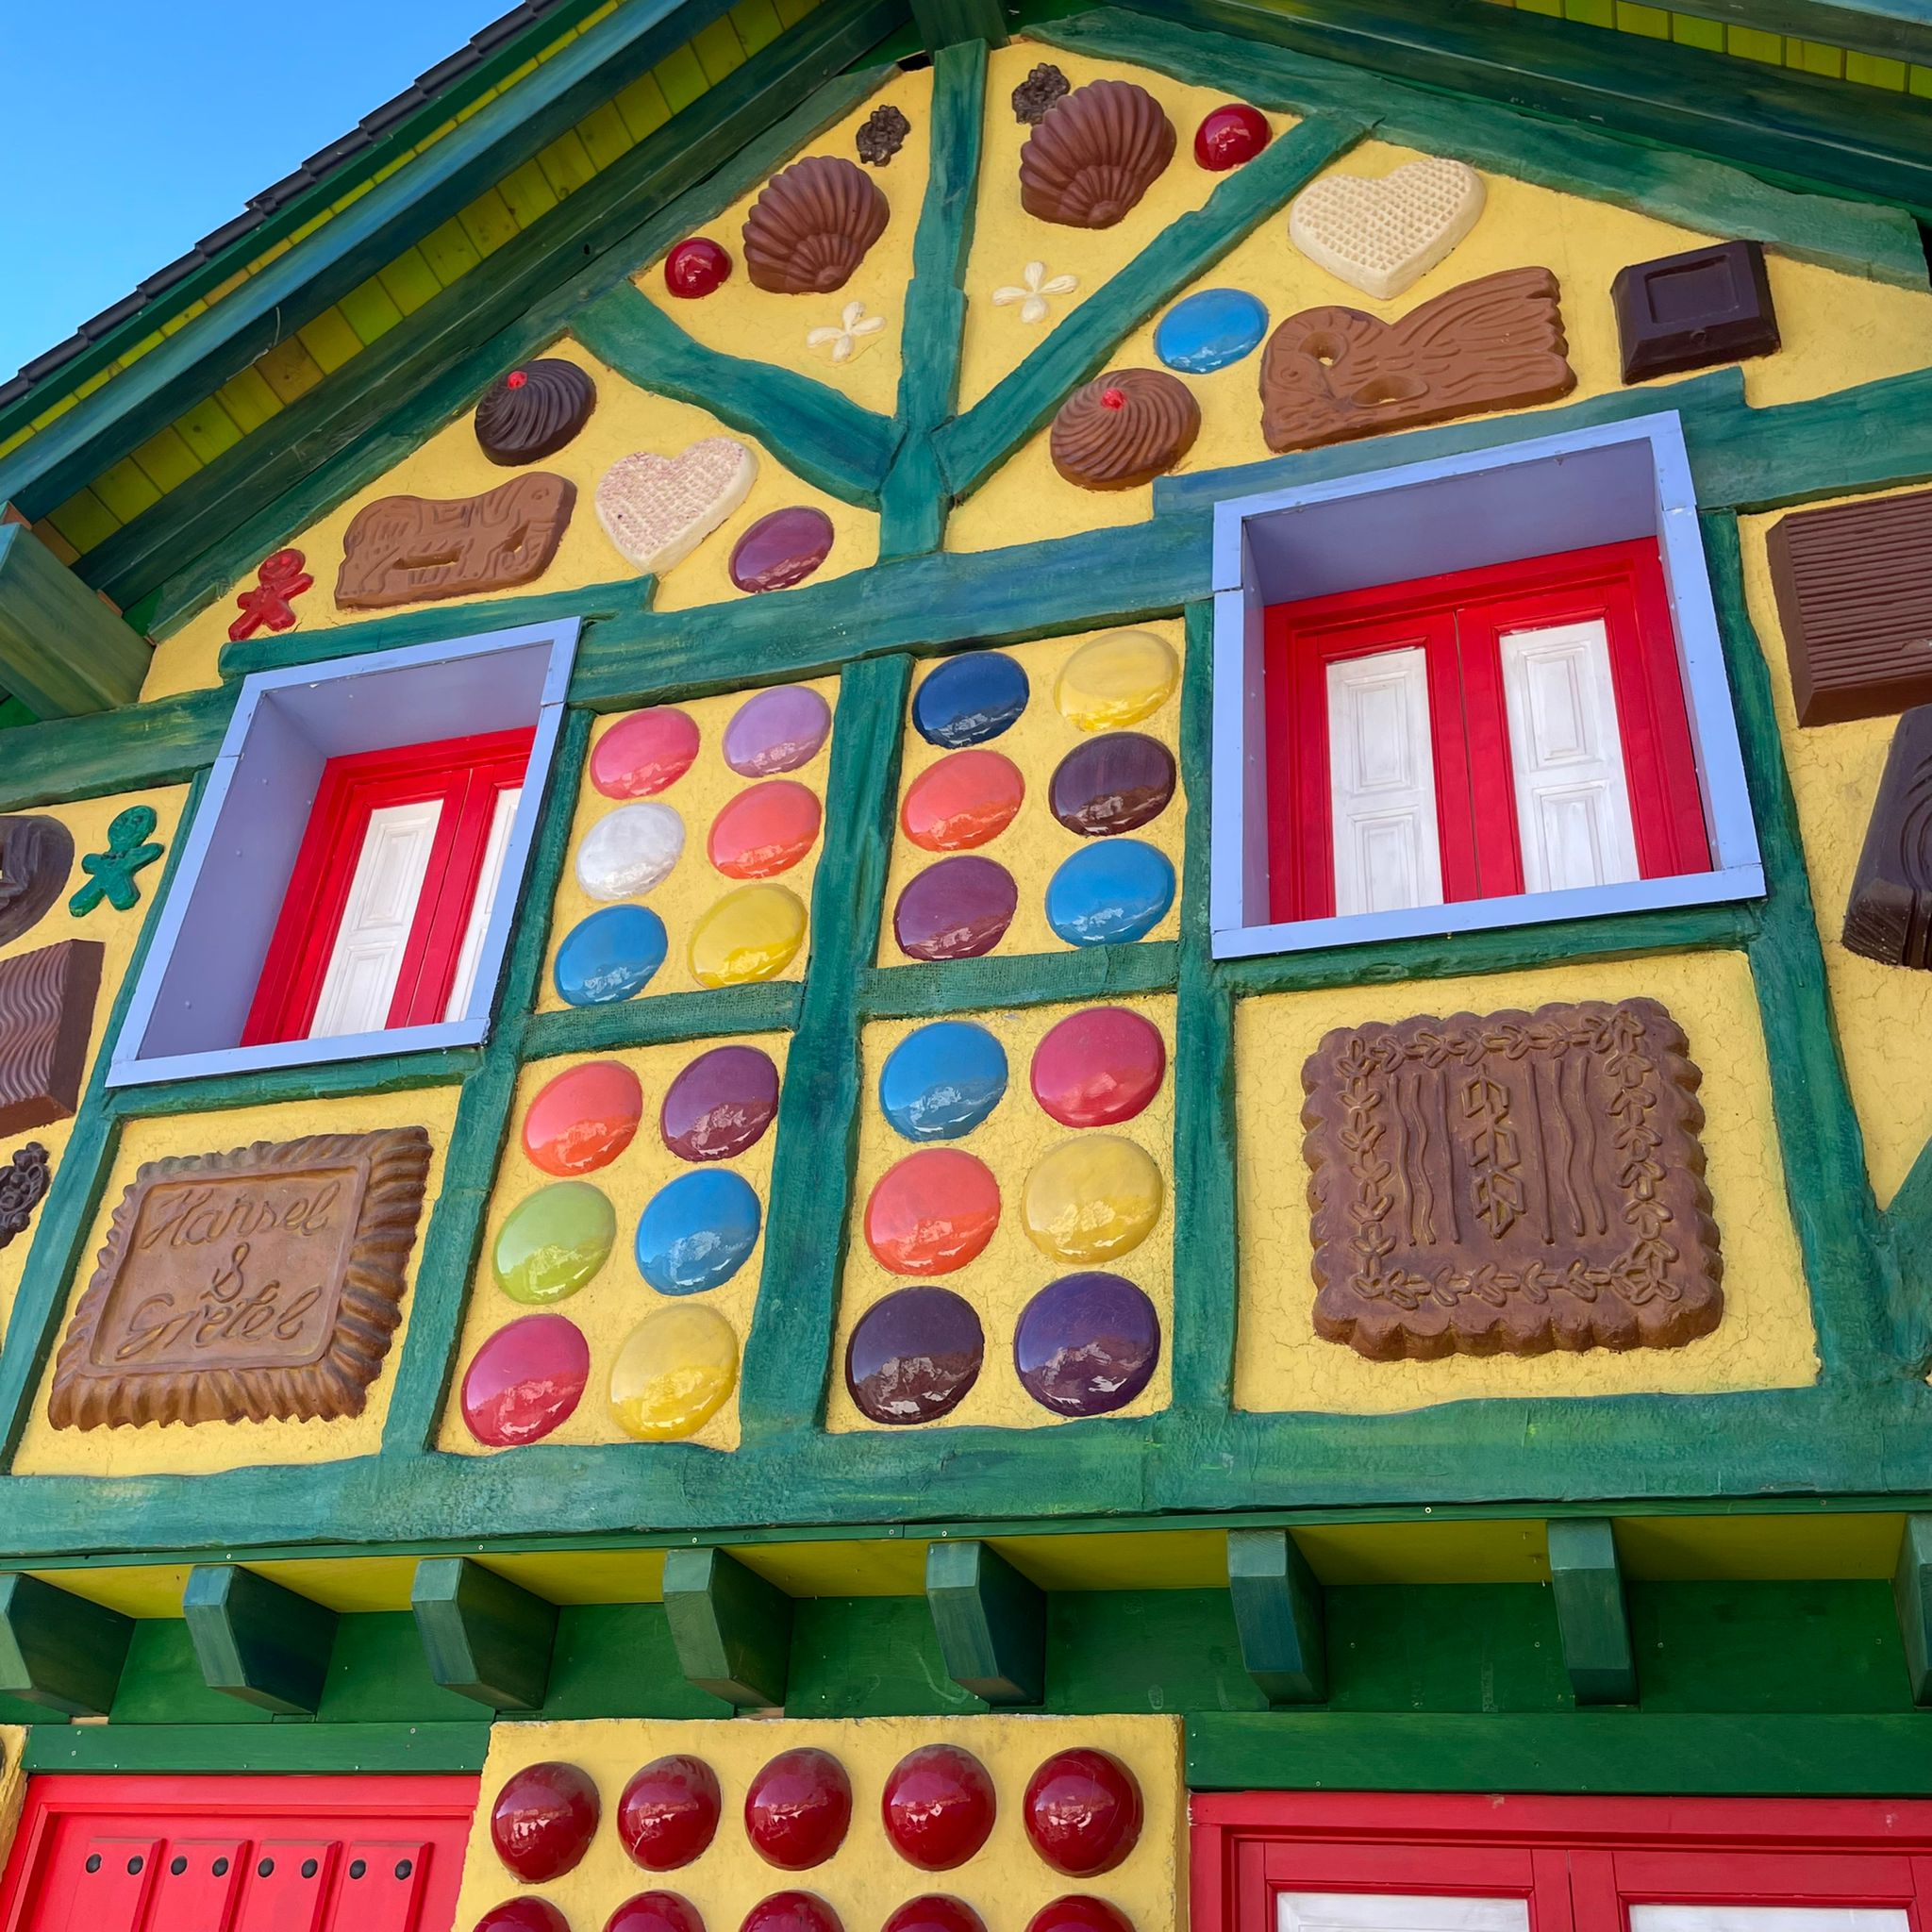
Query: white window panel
(488, 881)
(1382, 783)
(1664, 1918)
(1376, 1911)
(367, 958)
(1566, 753)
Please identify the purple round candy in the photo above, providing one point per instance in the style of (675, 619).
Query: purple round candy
(914, 1355)
(955, 909)
(1087, 1344)
(776, 730)
(720, 1105)
(781, 549)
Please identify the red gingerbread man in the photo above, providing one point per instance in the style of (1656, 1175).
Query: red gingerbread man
(280, 579)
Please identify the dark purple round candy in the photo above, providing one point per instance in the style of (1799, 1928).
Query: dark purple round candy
(955, 909)
(781, 549)
(533, 412)
(1087, 1344)
(1111, 783)
(720, 1105)
(913, 1356)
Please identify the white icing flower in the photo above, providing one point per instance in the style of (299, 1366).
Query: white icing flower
(1032, 296)
(854, 322)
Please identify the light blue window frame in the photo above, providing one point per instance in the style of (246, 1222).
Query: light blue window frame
(1607, 484)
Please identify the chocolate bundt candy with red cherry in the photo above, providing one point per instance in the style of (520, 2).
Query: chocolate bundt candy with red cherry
(533, 412)
(1125, 429)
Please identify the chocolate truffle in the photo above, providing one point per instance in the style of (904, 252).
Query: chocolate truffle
(533, 412)
(1125, 429)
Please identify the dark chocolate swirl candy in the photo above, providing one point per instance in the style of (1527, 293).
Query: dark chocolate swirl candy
(1125, 429)
(533, 412)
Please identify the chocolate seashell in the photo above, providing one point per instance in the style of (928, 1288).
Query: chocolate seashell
(811, 227)
(533, 412)
(1094, 154)
(1125, 429)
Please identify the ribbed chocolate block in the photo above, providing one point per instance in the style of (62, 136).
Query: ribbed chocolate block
(1888, 916)
(46, 1014)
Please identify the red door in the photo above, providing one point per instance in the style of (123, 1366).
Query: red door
(237, 1855)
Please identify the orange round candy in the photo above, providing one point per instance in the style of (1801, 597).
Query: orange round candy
(932, 1212)
(584, 1119)
(765, 830)
(964, 800)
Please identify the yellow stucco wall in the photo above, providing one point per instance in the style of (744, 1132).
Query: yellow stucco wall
(12, 1784)
(865, 1879)
(200, 1448)
(1765, 1340)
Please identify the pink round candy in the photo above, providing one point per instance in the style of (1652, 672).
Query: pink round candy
(642, 754)
(525, 1380)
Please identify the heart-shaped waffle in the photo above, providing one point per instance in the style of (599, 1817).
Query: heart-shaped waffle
(657, 509)
(1382, 235)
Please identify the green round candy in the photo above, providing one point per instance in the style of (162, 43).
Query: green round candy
(554, 1242)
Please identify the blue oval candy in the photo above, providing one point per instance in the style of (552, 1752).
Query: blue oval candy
(696, 1231)
(1116, 890)
(610, 956)
(1208, 331)
(942, 1080)
(970, 699)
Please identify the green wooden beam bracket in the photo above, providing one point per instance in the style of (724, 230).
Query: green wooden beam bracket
(484, 1637)
(731, 1629)
(944, 24)
(991, 1622)
(1912, 1592)
(1278, 1615)
(1587, 1584)
(63, 652)
(59, 1650)
(257, 1640)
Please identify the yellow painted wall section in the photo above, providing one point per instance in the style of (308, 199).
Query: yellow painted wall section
(1009, 1271)
(12, 1783)
(866, 1879)
(1765, 1340)
(88, 820)
(202, 1448)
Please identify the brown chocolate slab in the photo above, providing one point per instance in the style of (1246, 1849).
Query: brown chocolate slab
(416, 549)
(1888, 916)
(1690, 310)
(46, 1013)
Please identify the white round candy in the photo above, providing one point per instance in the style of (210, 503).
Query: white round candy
(629, 851)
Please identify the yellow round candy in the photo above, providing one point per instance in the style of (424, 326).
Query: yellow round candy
(1116, 679)
(754, 933)
(674, 1374)
(1090, 1198)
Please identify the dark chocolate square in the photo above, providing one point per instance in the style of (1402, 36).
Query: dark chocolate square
(1888, 916)
(1687, 311)
(46, 1013)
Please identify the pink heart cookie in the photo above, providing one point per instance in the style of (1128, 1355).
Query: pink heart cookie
(657, 509)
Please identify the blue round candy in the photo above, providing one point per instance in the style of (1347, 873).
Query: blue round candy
(942, 1080)
(696, 1231)
(969, 699)
(609, 955)
(1208, 331)
(1115, 890)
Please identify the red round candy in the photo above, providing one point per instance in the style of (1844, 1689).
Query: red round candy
(964, 800)
(1076, 1912)
(797, 1810)
(935, 1912)
(765, 830)
(1098, 1067)
(525, 1380)
(584, 1118)
(655, 1912)
(543, 1820)
(523, 1915)
(640, 755)
(932, 1212)
(938, 1806)
(1083, 1812)
(1230, 136)
(792, 1911)
(669, 1813)
(696, 267)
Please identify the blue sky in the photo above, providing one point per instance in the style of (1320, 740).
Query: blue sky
(135, 127)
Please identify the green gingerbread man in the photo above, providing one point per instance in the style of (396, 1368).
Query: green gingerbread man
(112, 872)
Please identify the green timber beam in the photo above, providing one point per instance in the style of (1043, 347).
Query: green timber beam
(990, 1623)
(59, 1650)
(484, 1637)
(63, 652)
(1587, 1584)
(730, 1629)
(1278, 1615)
(1911, 1591)
(257, 1640)
(943, 24)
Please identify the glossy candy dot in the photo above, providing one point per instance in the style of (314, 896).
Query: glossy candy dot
(931, 1212)
(942, 1080)
(674, 1372)
(1098, 1067)
(695, 267)
(776, 730)
(1116, 680)
(525, 1380)
(964, 800)
(792, 1911)
(969, 699)
(1092, 1199)
(798, 1808)
(553, 1241)
(938, 1806)
(523, 1915)
(913, 1356)
(669, 1813)
(584, 1118)
(754, 933)
(655, 1912)
(642, 754)
(1087, 1344)
(1076, 1912)
(696, 1231)
(1230, 134)
(630, 851)
(766, 829)
(543, 1820)
(1082, 1811)
(720, 1104)
(934, 1912)
(613, 955)
(781, 549)
(1106, 893)
(1210, 330)
(955, 909)
(1116, 782)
